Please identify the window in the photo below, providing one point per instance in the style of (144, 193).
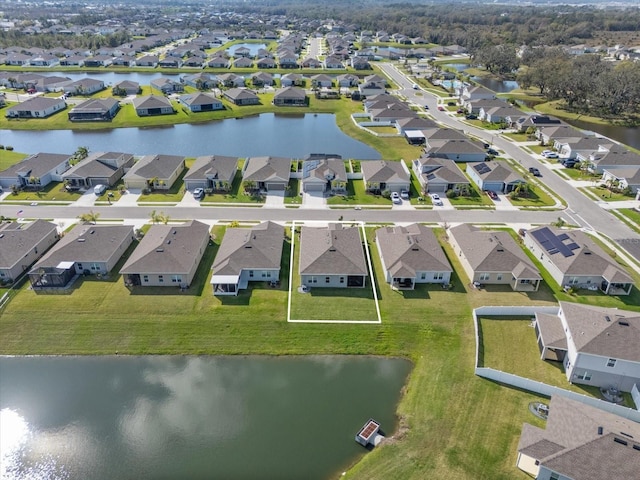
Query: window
(423, 276)
(145, 278)
(438, 276)
(554, 476)
(573, 281)
(611, 362)
(586, 376)
(341, 279)
(79, 266)
(161, 278)
(327, 279)
(264, 274)
(176, 278)
(499, 277)
(485, 276)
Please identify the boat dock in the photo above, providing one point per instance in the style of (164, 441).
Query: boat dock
(370, 434)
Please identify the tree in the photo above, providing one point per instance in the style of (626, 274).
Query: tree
(155, 217)
(91, 217)
(249, 185)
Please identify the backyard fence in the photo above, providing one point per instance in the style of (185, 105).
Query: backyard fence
(540, 387)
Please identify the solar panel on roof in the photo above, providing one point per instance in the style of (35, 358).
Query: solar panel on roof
(563, 237)
(573, 246)
(308, 166)
(550, 242)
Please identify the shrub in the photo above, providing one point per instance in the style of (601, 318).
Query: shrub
(451, 193)
(9, 147)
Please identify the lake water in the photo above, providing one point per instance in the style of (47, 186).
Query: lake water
(498, 86)
(627, 135)
(190, 417)
(266, 134)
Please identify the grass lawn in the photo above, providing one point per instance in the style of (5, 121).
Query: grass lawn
(603, 193)
(9, 157)
(330, 303)
(518, 137)
(577, 174)
(538, 148)
(292, 195)
(522, 357)
(356, 195)
(537, 198)
(384, 129)
(453, 425)
(53, 191)
(237, 194)
(172, 195)
(631, 214)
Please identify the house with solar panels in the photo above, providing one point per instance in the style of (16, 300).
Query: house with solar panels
(494, 176)
(576, 261)
(326, 175)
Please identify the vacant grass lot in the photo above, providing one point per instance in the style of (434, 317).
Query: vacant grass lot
(8, 158)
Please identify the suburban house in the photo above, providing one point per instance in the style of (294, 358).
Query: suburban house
(597, 346)
(170, 62)
(369, 88)
(167, 85)
(247, 255)
(36, 107)
(44, 60)
(101, 168)
(576, 261)
(231, 80)
(324, 175)
(51, 84)
(572, 147)
(98, 61)
(290, 96)
(579, 442)
(287, 59)
(458, 150)
(157, 172)
(314, 63)
(147, 61)
(167, 256)
(152, 105)
(85, 250)
(623, 178)
(201, 102)
(322, 80)
(21, 244)
(127, 87)
(497, 114)
(218, 61)
(494, 176)
(262, 79)
(383, 175)
(411, 255)
(330, 61)
(474, 92)
(548, 134)
(493, 258)
(95, 110)
(347, 80)
(201, 81)
(292, 79)
(332, 256)
(391, 113)
(439, 175)
(37, 170)
(610, 160)
(265, 62)
(268, 173)
(84, 86)
(241, 96)
(243, 62)
(214, 172)
(522, 123)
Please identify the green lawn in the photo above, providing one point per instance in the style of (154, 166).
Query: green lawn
(292, 195)
(53, 191)
(536, 198)
(355, 304)
(518, 137)
(632, 215)
(9, 157)
(356, 195)
(603, 193)
(578, 174)
(237, 194)
(522, 356)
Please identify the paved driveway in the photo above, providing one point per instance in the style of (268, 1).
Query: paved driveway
(313, 200)
(274, 199)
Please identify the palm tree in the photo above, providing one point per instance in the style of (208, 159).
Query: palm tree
(155, 217)
(249, 185)
(91, 217)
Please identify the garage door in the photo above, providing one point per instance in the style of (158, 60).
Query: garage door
(313, 187)
(276, 186)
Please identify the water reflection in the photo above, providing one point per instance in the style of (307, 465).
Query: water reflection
(190, 417)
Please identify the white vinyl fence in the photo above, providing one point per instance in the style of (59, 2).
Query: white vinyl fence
(539, 387)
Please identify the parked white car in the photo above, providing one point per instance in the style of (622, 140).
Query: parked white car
(395, 197)
(435, 199)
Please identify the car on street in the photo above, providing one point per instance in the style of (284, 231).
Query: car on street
(492, 195)
(441, 108)
(471, 117)
(395, 197)
(535, 172)
(198, 193)
(435, 199)
(570, 162)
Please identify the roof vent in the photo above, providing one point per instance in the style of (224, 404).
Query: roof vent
(160, 250)
(168, 242)
(626, 435)
(623, 323)
(620, 441)
(607, 318)
(600, 430)
(92, 232)
(636, 447)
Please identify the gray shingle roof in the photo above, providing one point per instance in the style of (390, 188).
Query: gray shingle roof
(572, 445)
(87, 243)
(151, 101)
(199, 98)
(16, 239)
(254, 248)
(290, 92)
(263, 169)
(99, 164)
(95, 105)
(167, 249)
(551, 331)
(36, 104)
(492, 251)
(411, 249)
(496, 172)
(383, 171)
(151, 166)
(216, 167)
(442, 169)
(331, 250)
(587, 259)
(36, 165)
(593, 333)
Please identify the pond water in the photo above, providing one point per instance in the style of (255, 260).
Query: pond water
(627, 135)
(498, 86)
(266, 134)
(459, 67)
(253, 48)
(190, 417)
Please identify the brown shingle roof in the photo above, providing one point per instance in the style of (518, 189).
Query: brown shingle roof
(331, 250)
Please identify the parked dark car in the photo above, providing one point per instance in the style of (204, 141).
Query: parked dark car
(492, 151)
(570, 163)
(471, 117)
(535, 172)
